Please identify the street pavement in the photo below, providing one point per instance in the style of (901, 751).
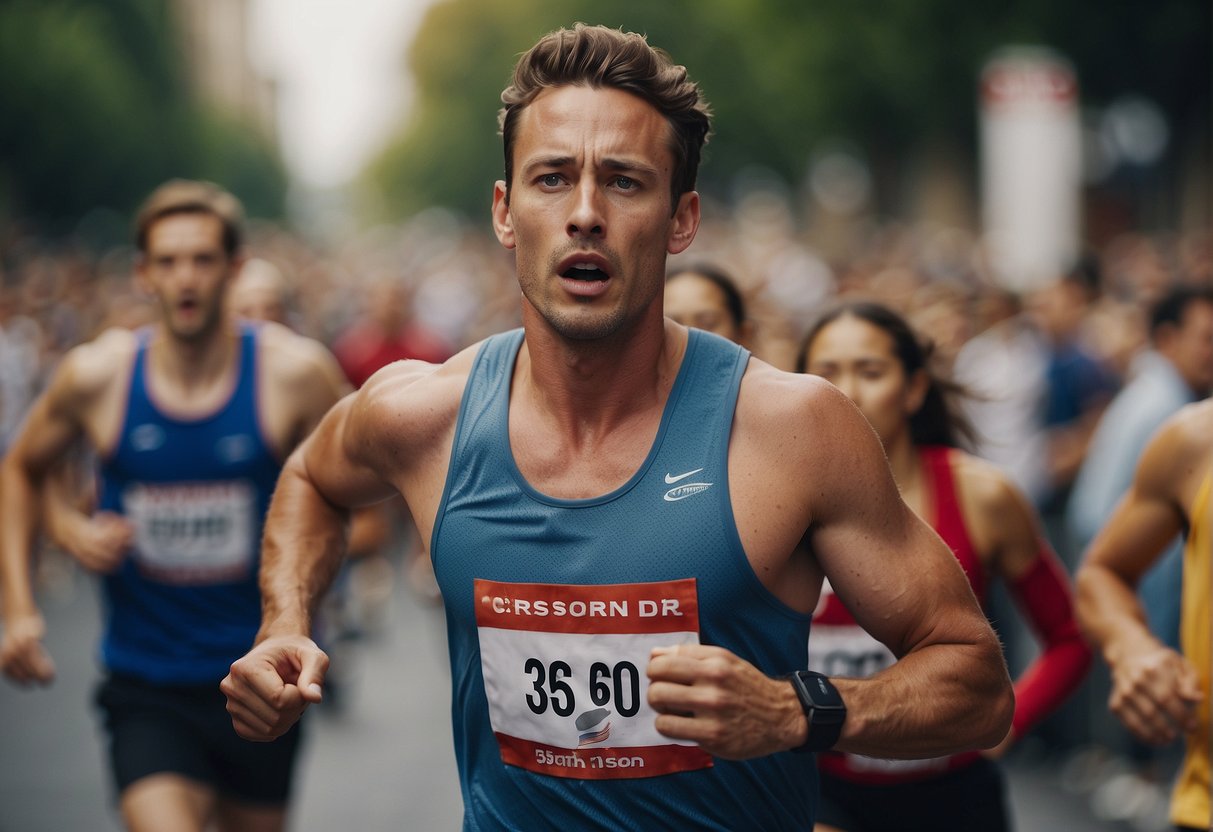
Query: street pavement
(379, 757)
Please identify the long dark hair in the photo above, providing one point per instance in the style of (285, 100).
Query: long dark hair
(733, 299)
(939, 421)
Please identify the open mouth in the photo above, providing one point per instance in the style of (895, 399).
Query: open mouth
(584, 271)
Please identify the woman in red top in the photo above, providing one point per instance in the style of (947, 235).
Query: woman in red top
(871, 354)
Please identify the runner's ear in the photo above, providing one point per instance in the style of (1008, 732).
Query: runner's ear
(503, 223)
(684, 224)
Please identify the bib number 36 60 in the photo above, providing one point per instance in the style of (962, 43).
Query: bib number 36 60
(617, 687)
(564, 670)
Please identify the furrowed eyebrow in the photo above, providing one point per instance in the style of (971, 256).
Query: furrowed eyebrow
(546, 162)
(626, 165)
(621, 165)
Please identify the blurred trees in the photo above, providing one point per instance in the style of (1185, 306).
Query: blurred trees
(96, 111)
(892, 78)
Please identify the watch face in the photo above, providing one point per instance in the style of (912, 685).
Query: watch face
(823, 708)
(824, 694)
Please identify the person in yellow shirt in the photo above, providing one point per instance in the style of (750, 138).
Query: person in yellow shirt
(1159, 694)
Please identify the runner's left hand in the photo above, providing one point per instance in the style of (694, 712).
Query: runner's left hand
(724, 703)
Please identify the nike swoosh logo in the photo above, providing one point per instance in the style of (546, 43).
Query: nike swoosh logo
(670, 479)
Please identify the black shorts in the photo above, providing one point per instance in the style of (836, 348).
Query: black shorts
(970, 798)
(186, 730)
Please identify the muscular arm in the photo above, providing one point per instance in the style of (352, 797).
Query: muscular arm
(1038, 583)
(98, 541)
(305, 528)
(341, 465)
(1154, 689)
(50, 427)
(949, 689)
(320, 386)
(841, 516)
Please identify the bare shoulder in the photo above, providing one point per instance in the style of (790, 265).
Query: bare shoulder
(290, 357)
(796, 413)
(1179, 454)
(984, 487)
(1000, 519)
(801, 434)
(94, 368)
(769, 393)
(1190, 430)
(410, 405)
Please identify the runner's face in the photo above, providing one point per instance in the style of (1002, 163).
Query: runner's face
(187, 269)
(859, 359)
(589, 212)
(1192, 350)
(693, 300)
(255, 300)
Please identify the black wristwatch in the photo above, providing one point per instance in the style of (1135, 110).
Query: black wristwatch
(823, 708)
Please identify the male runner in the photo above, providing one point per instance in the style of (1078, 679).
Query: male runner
(1159, 694)
(191, 419)
(630, 521)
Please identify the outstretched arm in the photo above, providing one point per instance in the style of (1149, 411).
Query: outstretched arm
(1154, 689)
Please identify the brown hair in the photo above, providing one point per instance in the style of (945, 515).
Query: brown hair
(597, 56)
(184, 196)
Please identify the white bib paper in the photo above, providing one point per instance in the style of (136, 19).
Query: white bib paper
(193, 533)
(564, 675)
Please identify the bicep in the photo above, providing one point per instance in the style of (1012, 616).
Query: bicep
(906, 589)
(1147, 517)
(1141, 526)
(894, 573)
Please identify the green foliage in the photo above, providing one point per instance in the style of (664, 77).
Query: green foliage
(97, 113)
(785, 75)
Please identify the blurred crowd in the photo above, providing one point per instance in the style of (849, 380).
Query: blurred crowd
(1042, 365)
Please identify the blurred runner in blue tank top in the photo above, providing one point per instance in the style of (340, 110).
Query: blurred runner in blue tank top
(630, 521)
(190, 419)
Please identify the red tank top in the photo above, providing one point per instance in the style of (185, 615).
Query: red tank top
(840, 647)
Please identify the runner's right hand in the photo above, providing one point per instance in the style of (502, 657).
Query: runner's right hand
(269, 688)
(22, 656)
(100, 542)
(1155, 692)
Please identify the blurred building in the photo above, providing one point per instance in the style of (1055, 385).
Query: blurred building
(216, 35)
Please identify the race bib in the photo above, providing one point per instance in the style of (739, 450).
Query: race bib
(195, 533)
(564, 675)
(847, 651)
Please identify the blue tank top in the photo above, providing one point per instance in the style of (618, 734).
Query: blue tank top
(185, 604)
(544, 596)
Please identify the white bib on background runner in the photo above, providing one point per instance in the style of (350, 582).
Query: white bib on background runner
(564, 675)
(193, 533)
